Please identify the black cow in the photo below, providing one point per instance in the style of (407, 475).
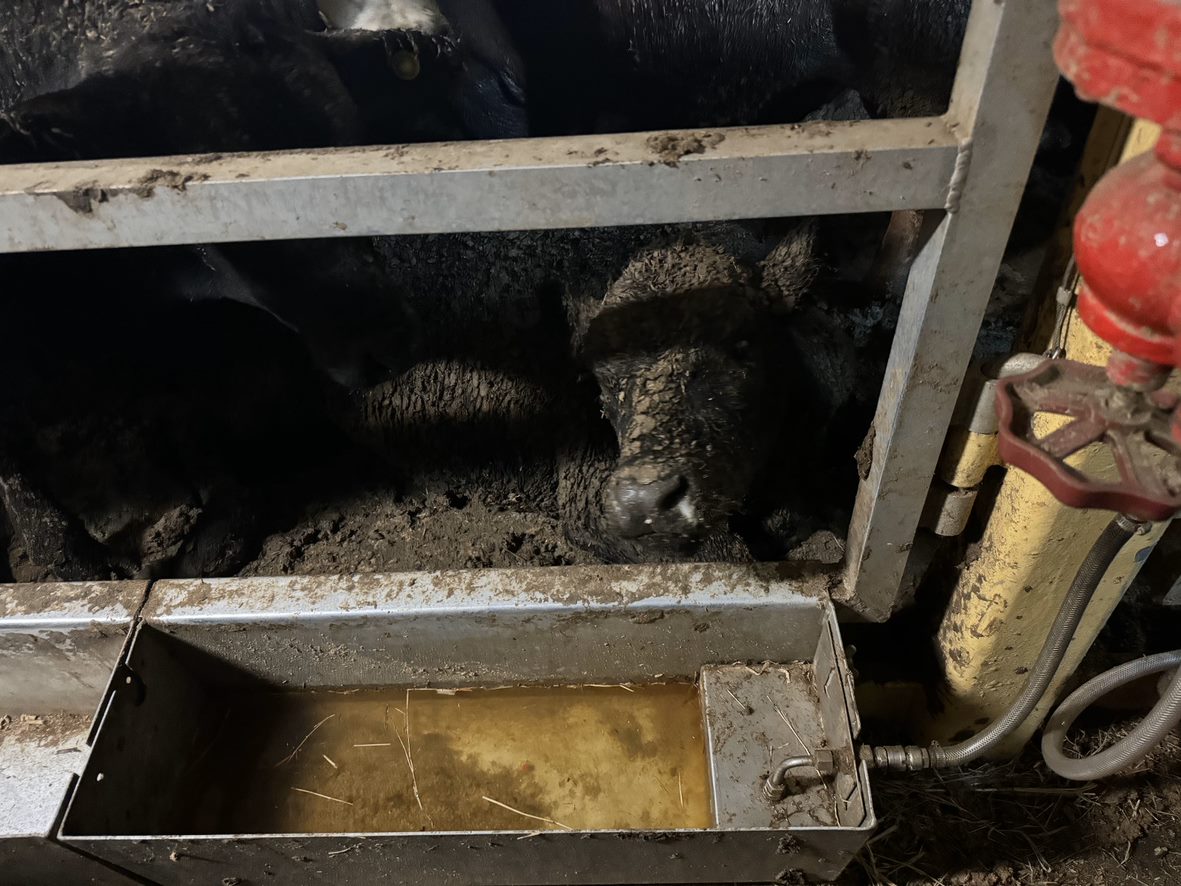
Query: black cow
(251, 75)
(99, 78)
(621, 65)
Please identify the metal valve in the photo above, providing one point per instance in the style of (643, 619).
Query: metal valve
(1133, 425)
(1127, 243)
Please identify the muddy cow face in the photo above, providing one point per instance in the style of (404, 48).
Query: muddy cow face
(684, 349)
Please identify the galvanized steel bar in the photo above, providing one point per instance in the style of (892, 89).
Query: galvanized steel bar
(570, 624)
(1002, 95)
(58, 646)
(585, 181)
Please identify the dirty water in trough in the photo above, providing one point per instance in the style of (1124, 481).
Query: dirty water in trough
(366, 761)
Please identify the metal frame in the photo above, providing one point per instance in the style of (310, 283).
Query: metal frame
(999, 105)
(58, 646)
(972, 163)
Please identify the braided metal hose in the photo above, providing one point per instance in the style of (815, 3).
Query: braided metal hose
(1082, 589)
(1137, 744)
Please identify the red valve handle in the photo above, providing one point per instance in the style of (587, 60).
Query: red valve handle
(1127, 241)
(1133, 425)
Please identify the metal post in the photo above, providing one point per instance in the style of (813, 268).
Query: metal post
(1001, 97)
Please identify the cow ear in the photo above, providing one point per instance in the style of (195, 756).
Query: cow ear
(791, 268)
(581, 307)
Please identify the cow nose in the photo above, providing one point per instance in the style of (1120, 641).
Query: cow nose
(641, 503)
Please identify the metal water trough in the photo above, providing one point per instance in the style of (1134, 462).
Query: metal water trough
(548, 627)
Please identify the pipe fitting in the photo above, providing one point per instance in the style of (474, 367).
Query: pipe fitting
(1133, 526)
(898, 758)
(821, 761)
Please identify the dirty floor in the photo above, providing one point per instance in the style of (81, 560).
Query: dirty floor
(378, 531)
(1016, 824)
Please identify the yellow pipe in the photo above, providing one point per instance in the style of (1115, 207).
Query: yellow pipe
(1141, 139)
(1007, 596)
(966, 458)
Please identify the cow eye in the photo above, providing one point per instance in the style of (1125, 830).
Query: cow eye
(405, 65)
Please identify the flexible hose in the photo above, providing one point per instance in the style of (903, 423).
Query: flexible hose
(1137, 744)
(1082, 589)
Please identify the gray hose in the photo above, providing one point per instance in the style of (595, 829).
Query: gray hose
(1137, 744)
(1086, 581)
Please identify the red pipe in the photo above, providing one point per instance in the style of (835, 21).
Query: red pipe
(1127, 236)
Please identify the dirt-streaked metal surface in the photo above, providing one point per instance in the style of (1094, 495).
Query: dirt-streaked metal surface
(495, 627)
(1002, 95)
(59, 644)
(566, 182)
(482, 628)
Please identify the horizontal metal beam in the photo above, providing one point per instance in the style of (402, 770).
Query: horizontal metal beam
(574, 623)
(585, 181)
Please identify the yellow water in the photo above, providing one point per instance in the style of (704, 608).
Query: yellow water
(398, 760)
